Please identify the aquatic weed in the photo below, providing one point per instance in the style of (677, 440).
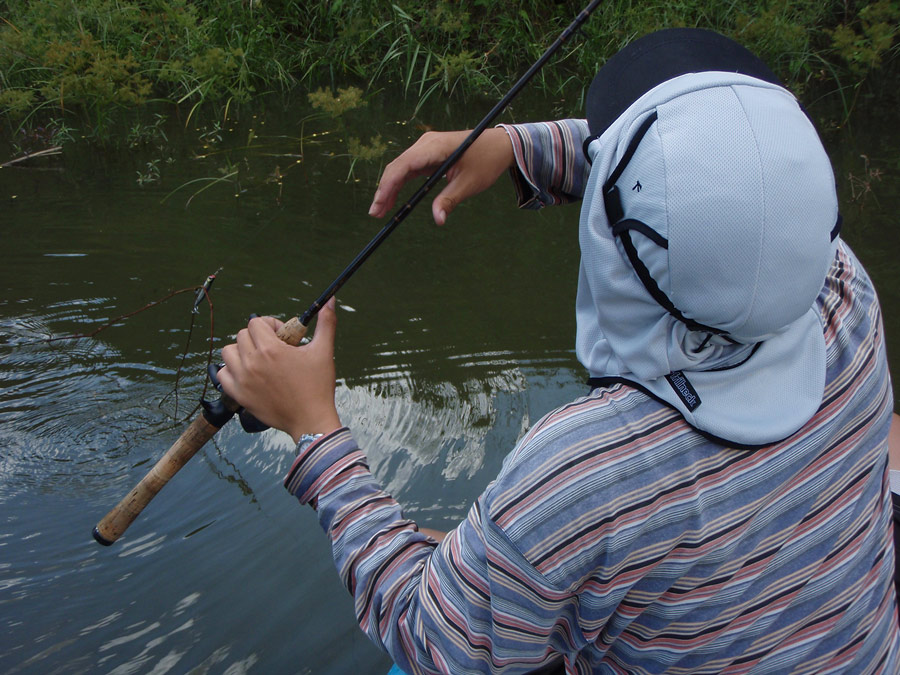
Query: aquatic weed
(346, 99)
(150, 174)
(152, 133)
(861, 184)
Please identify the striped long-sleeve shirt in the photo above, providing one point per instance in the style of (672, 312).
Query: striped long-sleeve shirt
(619, 538)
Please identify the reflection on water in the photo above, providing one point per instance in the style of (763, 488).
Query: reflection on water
(82, 423)
(57, 397)
(451, 343)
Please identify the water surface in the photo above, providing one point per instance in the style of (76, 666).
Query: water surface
(451, 342)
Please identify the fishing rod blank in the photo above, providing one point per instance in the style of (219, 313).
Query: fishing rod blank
(215, 414)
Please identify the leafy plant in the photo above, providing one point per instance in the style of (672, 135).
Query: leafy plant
(360, 151)
(150, 174)
(347, 99)
(95, 58)
(147, 134)
(863, 43)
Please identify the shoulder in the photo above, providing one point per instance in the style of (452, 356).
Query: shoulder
(604, 417)
(852, 326)
(848, 301)
(856, 405)
(578, 467)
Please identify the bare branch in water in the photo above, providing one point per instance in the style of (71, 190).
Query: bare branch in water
(78, 336)
(31, 155)
(202, 292)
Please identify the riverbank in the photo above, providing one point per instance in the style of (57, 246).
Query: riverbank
(67, 66)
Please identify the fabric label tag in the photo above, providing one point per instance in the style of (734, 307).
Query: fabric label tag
(685, 391)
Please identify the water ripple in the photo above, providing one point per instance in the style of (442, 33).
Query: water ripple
(71, 412)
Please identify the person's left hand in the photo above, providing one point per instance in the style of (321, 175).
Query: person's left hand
(289, 388)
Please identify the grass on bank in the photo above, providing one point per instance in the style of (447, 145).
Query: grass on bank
(68, 62)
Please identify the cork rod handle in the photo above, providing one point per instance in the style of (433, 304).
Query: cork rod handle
(114, 523)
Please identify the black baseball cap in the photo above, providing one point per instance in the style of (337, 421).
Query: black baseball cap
(660, 56)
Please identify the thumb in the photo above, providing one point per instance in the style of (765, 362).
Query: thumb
(444, 204)
(326, 326)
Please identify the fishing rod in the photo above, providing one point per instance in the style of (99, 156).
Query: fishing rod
(216, 413)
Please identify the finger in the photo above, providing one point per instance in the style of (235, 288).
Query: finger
(272, 321)
(384, 199)
(459, 188)
(231, 358)
(229, 354)
(395, 176)
(442, 206)
(326, 326)
(262, 332)
(420, 159)
(244, 340)
(235, 366)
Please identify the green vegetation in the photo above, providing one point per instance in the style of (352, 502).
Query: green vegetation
(82, 62)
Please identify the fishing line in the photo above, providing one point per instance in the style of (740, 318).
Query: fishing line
(217, 413)
(203, 293)
(435, 177)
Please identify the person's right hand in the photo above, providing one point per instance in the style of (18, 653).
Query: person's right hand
(289, 388)
(489, 156)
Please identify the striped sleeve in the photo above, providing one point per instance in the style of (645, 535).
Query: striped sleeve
(550, 165)
(687, 556)
(470, 604)
(619, 539)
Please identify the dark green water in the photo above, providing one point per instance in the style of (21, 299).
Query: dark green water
(451, 342)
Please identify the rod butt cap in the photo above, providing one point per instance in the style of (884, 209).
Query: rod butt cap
(101, 539)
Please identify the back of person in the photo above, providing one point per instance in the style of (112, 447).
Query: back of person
(694, 557)
(718, 503)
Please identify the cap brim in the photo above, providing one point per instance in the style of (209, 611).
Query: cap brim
(659, 57)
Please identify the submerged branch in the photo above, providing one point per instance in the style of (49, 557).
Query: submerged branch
(57, 150)
(78, 336)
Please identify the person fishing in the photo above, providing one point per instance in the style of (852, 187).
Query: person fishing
(718, 501)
